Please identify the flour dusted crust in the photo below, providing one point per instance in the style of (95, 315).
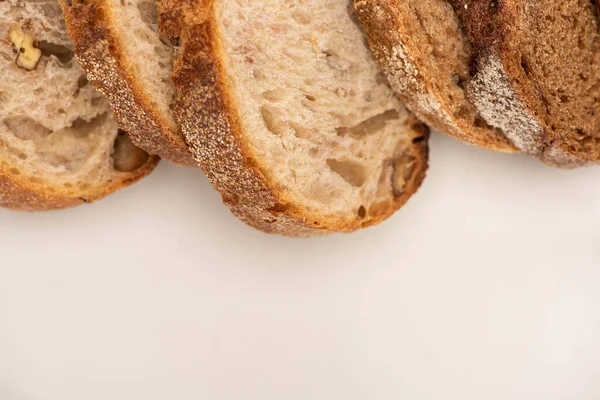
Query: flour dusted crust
(100, 50)
(210, 121)
(387, 23)
(504, 93)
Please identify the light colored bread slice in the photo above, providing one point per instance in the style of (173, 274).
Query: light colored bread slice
(59, 144)
(287, 112)
(421, 46)
(538, 74)
(118, 45)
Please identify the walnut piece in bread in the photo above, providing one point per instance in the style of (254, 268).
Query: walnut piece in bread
(28, 55)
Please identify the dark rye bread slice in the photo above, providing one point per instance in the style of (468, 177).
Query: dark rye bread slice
(421, 46)
(291, 119)
(59, 144)
(119, 47)
(538, 74)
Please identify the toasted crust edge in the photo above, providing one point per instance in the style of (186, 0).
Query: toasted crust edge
(214, 132)
(393, 48)
(19, 194)
(100, 53)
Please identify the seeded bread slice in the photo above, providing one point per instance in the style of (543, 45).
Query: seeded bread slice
(285, 109)
(421, 46)
(119, 47)
(538, 74)
(59, 144)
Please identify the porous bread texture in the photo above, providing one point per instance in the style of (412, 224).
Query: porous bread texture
(538, 75)
(122, 52)
(288, 113)
(424, 52)
(59, 144)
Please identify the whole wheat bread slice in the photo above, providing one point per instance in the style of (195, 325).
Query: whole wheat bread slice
(287, 112)
(59, 144)
(421, 46)
(118, 45)
(538, 74)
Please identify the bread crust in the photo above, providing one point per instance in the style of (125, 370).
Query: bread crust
(499, 92)
(102, 57)
(20, 194)
(395, 50)
(212, 127)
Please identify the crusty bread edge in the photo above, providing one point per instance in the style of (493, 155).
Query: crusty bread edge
(101, 55)
(214, 132)
(495, 89)
(394, 52)
(20, 194)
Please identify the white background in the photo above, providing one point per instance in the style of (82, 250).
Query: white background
(485, 286)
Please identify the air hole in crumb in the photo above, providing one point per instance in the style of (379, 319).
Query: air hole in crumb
(272, 121)
(15, 171)
(68, 185)
(403, 170)
(310, 98)
(22, 156)
(127, 157)
(369, 126)
(302, 132)
(362, 212)
(418, 139)
(63, 53)
(273, 95)
(351, 171)
(564, 98)
(26, 128)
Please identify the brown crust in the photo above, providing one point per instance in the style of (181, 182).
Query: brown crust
(394, 48)
(21, 194)
(212, 127)
(492, 28)
(101, 55)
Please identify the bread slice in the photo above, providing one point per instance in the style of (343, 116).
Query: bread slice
(426, 55)
(59, 144)
(287, 112)
(538, 74)
(118, 45)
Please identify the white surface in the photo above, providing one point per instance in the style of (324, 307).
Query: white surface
(485, 286)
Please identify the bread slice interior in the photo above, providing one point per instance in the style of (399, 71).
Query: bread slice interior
(315, 114)
(57, 135)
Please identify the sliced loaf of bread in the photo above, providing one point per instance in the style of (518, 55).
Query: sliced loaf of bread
(537, 74)
(118, 45)
(426, 55)
(499, 63)
(287, 112)
(59, 143)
